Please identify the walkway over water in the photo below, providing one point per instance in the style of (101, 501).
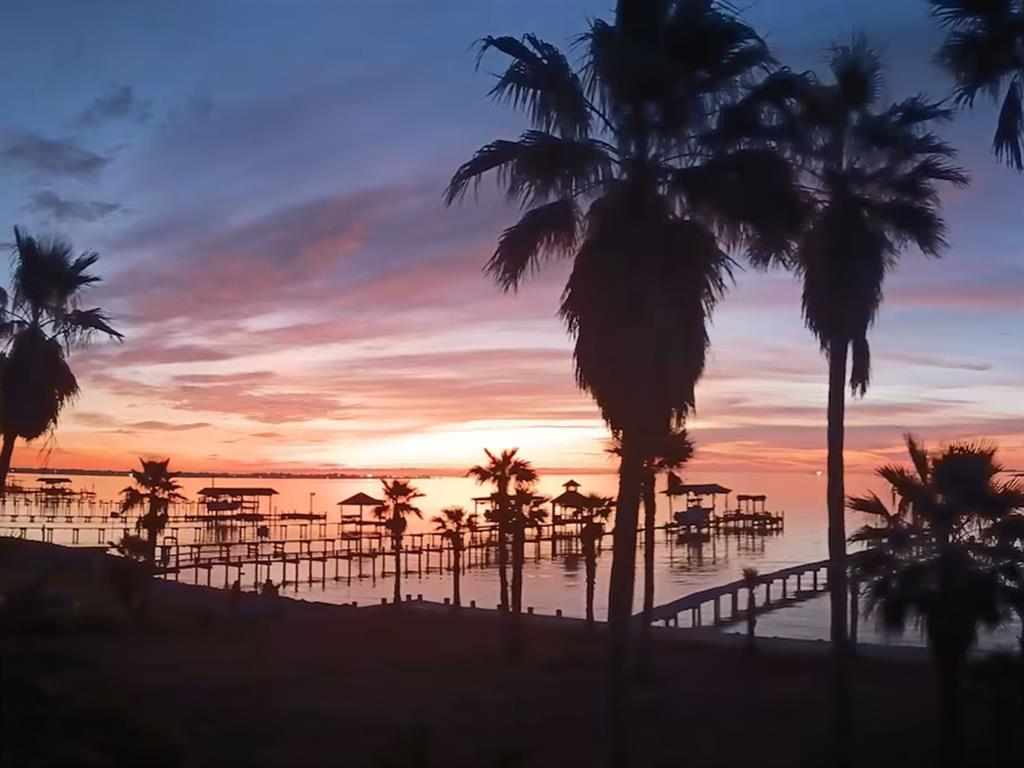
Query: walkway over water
(694, 603)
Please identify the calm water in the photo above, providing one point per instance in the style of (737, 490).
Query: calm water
(558, 583)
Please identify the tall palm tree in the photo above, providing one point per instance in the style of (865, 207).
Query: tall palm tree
(154, 490)
(40, 322)
(591, 532)
(526, 512)
(453, 523)
(503, 471)
(624, 172)
(984, 51)
(940, 557)
(396, 507)
(872, 173)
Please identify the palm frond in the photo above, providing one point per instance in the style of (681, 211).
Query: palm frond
(1008, 143)
(535, 168)
(540, 81)
(550, 229)
(751, 197)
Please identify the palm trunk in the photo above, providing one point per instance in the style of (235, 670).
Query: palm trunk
(648, 608)
(396, 544)
(5, 460)
(949, 668)
(590, 561)
(751, 618)
(456, 574)
(620, 598)
(151, 536)
(503, 566)
(837, 581)
(518, 554)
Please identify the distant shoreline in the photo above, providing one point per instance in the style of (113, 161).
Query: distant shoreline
(372, 474)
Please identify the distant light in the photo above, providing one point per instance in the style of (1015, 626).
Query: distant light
(818, 473)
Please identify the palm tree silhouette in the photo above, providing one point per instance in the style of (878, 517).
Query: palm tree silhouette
(154, 490)
(590, 534)
(942, 556)
(633, 134)
(982, 51)
(397, 505)
(453, 523)
(673, 451)
(503, 471)
(872, 173)
(526, 512)
(40, 321)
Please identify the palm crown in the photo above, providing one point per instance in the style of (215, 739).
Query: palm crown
(398, 505)
(453, 522)
(40, 320)
(872, 173)
(941, 552)
(624, 172)
(154, 490)
(503, 470)
(983, 49)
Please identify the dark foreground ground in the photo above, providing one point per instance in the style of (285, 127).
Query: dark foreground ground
(199, 683)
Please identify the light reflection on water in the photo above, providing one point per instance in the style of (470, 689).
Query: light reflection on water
(558, 583)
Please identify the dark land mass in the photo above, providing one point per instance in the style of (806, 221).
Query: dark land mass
(199, 681)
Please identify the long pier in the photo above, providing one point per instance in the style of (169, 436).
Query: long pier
(791, 585)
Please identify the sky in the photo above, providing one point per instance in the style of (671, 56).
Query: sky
(263, 181)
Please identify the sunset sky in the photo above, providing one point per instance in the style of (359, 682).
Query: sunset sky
(263, 181)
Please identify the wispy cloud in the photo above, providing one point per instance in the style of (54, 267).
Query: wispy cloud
(62, 209)
(53, 157)
(118, 102)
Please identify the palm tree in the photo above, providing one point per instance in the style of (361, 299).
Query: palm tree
(591, 532)
(40, 322)
(526, 512)
(984, 51)
(503, 471)
(452, 523)
(397, 505)
(632, 134)
(154, 490)
(751, 578)
(872, 173)
(941, 557)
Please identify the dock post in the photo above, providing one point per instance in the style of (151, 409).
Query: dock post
(717, 611)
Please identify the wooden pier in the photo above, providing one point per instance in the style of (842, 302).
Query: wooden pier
(771, 591)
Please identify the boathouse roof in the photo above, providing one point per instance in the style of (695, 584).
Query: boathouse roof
(228, 491)
(576, 500)
(748, 497)
(359, 500)
(698, 489)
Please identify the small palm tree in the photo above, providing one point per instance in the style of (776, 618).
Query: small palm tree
(40, 322)
(590, 534)
(941, 557)
(984, 51)
(526, 512)
(154, 490)
(503, 471)
(751, 578)
(453, 523)
(396, 507)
